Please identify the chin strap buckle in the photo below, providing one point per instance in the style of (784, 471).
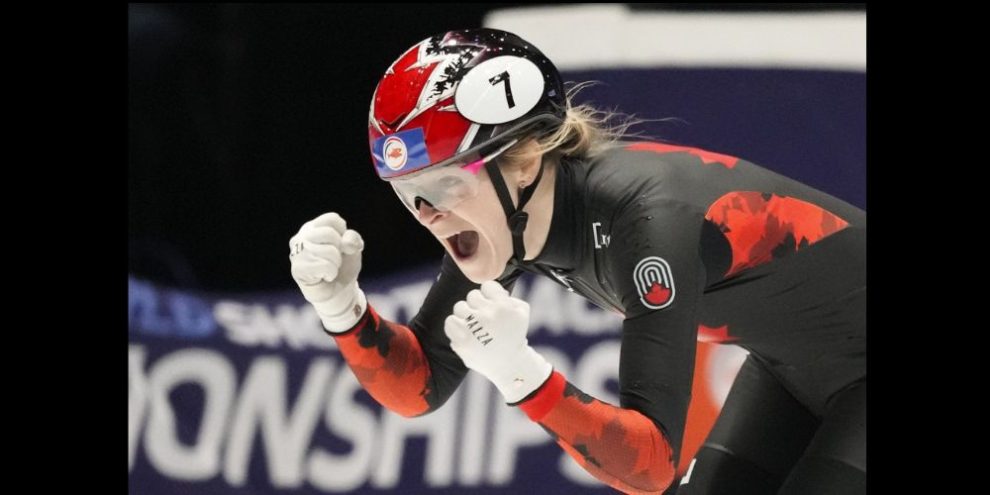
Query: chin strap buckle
(517, 222)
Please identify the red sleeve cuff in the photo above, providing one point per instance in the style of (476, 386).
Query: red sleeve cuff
(545, 398)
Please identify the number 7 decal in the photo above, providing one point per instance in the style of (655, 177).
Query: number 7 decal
(504, 76)
(478, 98)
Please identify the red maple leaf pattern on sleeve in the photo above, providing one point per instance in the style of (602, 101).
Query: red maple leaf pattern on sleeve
(761, 227)
(621, 447)
(389, 363)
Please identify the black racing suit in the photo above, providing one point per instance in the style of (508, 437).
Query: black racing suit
(676, 239)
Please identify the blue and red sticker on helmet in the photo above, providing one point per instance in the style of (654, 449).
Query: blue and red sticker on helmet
(400, 153)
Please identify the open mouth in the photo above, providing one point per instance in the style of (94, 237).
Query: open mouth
(464, 244)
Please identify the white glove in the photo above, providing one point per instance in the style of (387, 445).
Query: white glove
(326, 259)
(488, 331)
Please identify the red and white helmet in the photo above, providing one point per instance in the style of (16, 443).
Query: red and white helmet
(460, 95)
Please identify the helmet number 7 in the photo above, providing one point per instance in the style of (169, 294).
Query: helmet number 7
(504, 76)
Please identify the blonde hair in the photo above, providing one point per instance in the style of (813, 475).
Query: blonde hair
(585, 132)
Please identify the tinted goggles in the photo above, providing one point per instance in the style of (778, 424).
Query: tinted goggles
(446, 186)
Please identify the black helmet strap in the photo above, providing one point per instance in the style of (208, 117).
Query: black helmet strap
(516, 217)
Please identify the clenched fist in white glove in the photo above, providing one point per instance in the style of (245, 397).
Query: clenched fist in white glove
(488, 331)
(326, 260)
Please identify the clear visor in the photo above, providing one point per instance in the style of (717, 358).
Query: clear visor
(446, 186)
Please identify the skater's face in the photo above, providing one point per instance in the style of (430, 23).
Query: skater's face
(474, 232)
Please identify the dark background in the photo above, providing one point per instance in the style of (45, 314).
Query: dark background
(247, 120)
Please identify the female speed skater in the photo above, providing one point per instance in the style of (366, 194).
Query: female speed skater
(475, 133)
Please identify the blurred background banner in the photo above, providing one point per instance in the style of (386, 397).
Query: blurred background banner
(246, 393)
(247, 120)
